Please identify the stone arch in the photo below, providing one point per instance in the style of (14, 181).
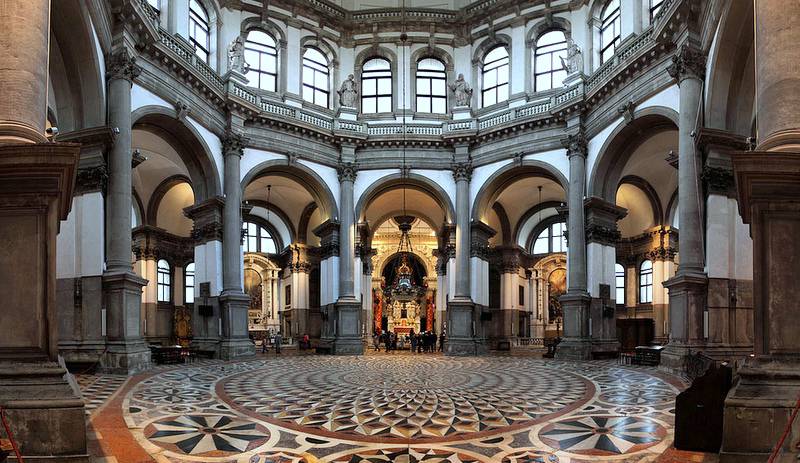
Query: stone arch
(282, 216)
(154, 203)
(604, 175)
(495, 184)
(377, 51)
(380, 265)
(650, 192)
(416, 181)
(527, 215)
(189, 145)
(302, 174)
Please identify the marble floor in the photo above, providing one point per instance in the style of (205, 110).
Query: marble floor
(389, 407)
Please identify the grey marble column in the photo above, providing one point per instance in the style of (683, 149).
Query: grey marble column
(348, 308)
(688, 289)
(234, 303)
(575, 303)
(462, 173)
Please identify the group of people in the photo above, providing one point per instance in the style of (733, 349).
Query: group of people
(417, 342)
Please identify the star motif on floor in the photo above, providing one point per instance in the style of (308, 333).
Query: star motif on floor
(602, 435)
(200, 434)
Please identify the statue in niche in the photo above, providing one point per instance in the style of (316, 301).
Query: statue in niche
(236, 60)
(348, 92)
(574, 61)
(461, 91)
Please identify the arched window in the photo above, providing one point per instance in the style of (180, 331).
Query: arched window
(655, 7)
(548, 71)
(258, 239)
(646, 282)
(619, 281)
(199, 30)
(494, 82)
(376, 86)
(188, 283)
(316, 77)
(609, 30)
(164, 281)
(261, 53)
(551, 239)
(431, 86)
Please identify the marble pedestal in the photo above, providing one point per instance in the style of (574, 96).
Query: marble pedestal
(687, 302)
(348, 328)
(460, 340)
(235, 342)
(577, 344)
(126, 351)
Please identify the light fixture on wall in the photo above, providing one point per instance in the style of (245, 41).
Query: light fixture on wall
(269, 188)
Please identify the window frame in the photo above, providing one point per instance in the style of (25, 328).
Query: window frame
(496, 69)
(187, 274)
(365, 77)
(441, 75)
(204, 23)
(313, 88)
(655, 7)
(617, 288)
(611, 20)
(553, 54)
(251, 46)
(164, 282)
(646, 282)
(259, 237)
(550, 237)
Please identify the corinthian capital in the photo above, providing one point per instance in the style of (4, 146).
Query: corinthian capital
(122, 65)
(575, 144)
(347, 172)
(232, 143)
(462, 171)
(687, 62)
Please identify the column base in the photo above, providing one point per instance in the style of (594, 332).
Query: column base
(675, 355)
(39, 402)
(577, 344)
(758, 409)
(574, 349)
(233, 349)
(235, 342)
(460, 339)
(125, 358)
(126, 352)
(348, 328)
(605, 348)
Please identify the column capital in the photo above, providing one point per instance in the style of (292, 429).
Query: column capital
(122, 65)
(462, 171)
(575, 144)
(347, 171)
(687, 62)
(233, 143)
(207, 218)
(601, 219)
(328, 233)
(480, 233)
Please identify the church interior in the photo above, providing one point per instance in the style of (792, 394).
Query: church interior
(513, 231)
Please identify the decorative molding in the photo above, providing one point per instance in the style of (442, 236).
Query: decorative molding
(347, 171)
(627, 111)
(207, 220)
(233, 143)
(137, 158)
(719, 180)
(181, 110)
(575, 144)
(91, 179)
(328, 233)
(462, 171)
(122, 65)
(152, 243)
(687, 62)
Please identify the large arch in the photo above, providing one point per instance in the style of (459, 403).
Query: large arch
(605, 174)
(302, 174)
(413, 181)
(189, 145)
(508, 174)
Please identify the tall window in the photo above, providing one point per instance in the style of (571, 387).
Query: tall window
(258, 239)
(164, 281)
(199, 30)
(376, 86)
(551, 239)
(609, 30)
(619, 280)
(261, 53)
(188, 283)
(315, 77)
(646, 282)
(431, 85)
(495, 76)
(655, 7)
(548, 71)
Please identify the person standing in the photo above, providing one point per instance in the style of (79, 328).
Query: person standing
(264, 343)
(441, 342)
(278, 340)
(413, 339)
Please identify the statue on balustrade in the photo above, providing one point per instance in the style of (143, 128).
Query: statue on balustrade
(348, 92)
(461, 91)
(236, 60)
(574, 61)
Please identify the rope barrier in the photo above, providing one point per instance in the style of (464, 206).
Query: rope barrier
(786, 431)
(10, 435)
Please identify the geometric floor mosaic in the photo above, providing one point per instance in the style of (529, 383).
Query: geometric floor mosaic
(400, 408)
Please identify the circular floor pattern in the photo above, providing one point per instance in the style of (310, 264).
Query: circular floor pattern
(372, 399)
(602, 435)
(206, 435)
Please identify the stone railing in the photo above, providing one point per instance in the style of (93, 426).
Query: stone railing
(185, 52)
(643, 41)
(567, 95)
(530, 341)
(397, 129)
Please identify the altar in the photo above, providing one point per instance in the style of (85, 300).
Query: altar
(404, 317)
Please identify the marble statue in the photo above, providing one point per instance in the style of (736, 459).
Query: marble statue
(236, 60)
(461, 91)
(574, 61)
(348, 92)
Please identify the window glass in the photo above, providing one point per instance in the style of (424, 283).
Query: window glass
(646, 282)
(431, 84)
(655, 7)
(258, 239)
(551, 239)
(494, 78)
(188, 283)
(548, 70)
(261, 53)
(376, 86)
(619, 277)
(163, 280)
(316, 77)
(199, 30)
(609, 30)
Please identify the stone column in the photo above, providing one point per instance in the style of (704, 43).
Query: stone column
(758, 408)
(207, 233)
(460, 318)
(39, 396)
(328, 233)
(300, 268)
(234, 303)
(687, 290)
(601, 237)
(126, 351)
(577, 343)
(509, 303)
(442, 258)
(348, 308)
